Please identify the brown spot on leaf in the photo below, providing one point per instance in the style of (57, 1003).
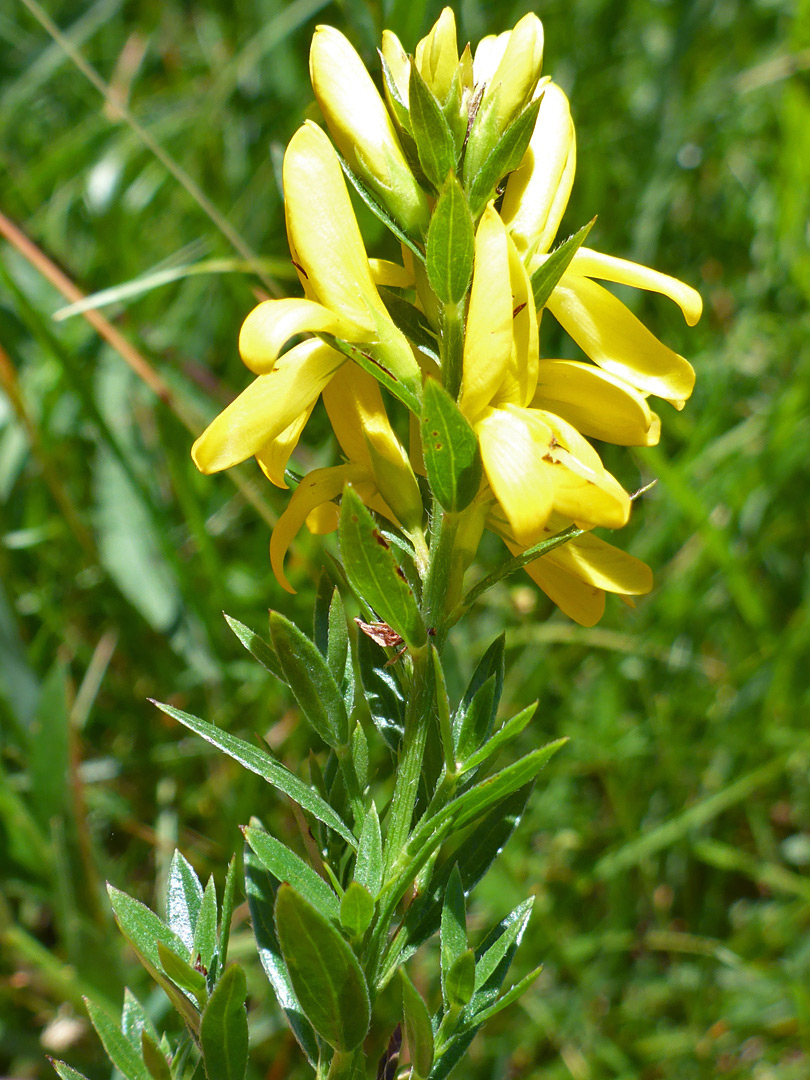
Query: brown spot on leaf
(378, 536)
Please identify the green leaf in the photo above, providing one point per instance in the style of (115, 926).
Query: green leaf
(450, 244)
(143, 930)
(320, 612)
(338, 647)
(324, 971)
(183, 974)
(260, 762)
(119, 1049)
(453, 931)
(356, 910)
(285, 865)
(382, 691)
(505, 734)
(495, 953)
(418, 1030)
(411, 322)
(459, 982)
(205, 933)
(491, 663)
(548, 274)
(65, 1071)
(504, 158)
(184, 895)
(257, 647)
(434, 139)
(227, 914)
(261, 890)
(477, 719)
(512, 995)
(311, 681)
(450, 447)
(379, 210)
(374, 573)
(443, 710)
(154, 1058)
(134, 1019)
(405, 384)
(224, 1028)
(368, 869)
(360, 754)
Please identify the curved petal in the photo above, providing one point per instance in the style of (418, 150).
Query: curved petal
(269, 327)
(324, 519)
(323, 230)
(267, 407)
(436, 55)
(537, 192)
(577, 599)
(399, 67)
(596, 264)
(617, 341)
(598, 404)
(318, 487)
(514, 454)
(274, 455)
(488, 338)
(521, 377)
(391, 274)
(488, 54)
(603, 565)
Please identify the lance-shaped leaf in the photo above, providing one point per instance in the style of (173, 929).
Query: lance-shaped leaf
(227, 914)
(411, 322)
(450, 447)
(285, 865)
(135, 1020)
(356, 910)
(403, 384)
(324, 972)
(65, 1071)
(495, 953)
(143, 930)
(460, 981)
(453, 932)
(374, 573)
(119, 1049)
(382, 691)
(368, 869)
(418, 1030)
(548, 274)
(183, 899)
(478, 718)
(183, 974)
(257, 647)
(224, 1028)
(504, 158)
(311, 681)
(154, 1058)
(261, 889)
(205, 932)
(491, 663)
(505, 734)
(434, 139)
(261, 763)
(450, 244)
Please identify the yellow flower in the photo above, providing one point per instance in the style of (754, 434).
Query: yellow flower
(341, 299)
(604, 328)
(362, 129)
(377, 467)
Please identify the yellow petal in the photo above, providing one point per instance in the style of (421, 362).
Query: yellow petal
(512, 84)
(323, 519)
(274, 455)
(391, 274)
(600, 405)
(323, 230)
(616, 340)
(318, 487)
(269, 327)
(488, 54)
(488, 339)
(537, 193)
(577, 599)
(436, 55)
(521, 376)
(361, 127)
(399, 67)
(603, 565)
(596, 264)
(270, 404)
(513, 451)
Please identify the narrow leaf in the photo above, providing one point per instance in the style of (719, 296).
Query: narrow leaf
(257, 647)
(356, 910)
(227, 913)
(260, 762)
(512, 995)
(374, 573)
(418, 1030)
(183, 974)
(478, 718)
(311, 681)
(338, 642)
(183, 899)
(547, 275)
(434, 139)
(134, 1019)
(261, 894)
(154, 1058)
(65, 1071)
(502, 942)
(453, 931)
(504, 158)
(404, 384)
(460, 980)
(119, 1049)
(505, 734)
(224, 1028)
(368, 869)
(205, 934)
(450, 447)
(285, 865)
(324, 971)
(450, 244)
(382, 691)
(411, 322)
(379, 210)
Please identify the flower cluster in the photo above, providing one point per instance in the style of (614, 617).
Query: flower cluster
(452, 119)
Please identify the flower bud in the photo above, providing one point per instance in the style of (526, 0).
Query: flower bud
(359, 123)
(508, 89)
(436, 55)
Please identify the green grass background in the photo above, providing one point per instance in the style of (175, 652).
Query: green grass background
(668, 846)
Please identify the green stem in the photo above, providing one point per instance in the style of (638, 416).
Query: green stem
(451, 345)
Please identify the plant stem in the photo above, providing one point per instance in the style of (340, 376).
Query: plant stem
(451, 347)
